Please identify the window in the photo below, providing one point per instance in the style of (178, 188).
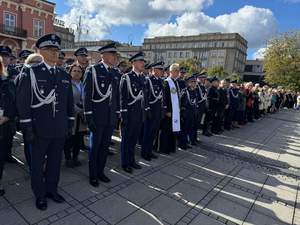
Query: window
(9, 21)
(38, 28)
(181, 54)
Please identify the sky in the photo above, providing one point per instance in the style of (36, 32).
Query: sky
(129, 21)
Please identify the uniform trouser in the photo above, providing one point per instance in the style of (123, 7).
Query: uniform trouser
(2, 154)
(130, 133)
(182, 135)
(191, 129)
(43, 182)
(249, 114)
(27, 153)
(99, 144)
(73, 145)
(227, 118)
(150, 130)
(167, 137)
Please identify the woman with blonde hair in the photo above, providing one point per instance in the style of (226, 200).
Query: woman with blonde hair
(7, 113)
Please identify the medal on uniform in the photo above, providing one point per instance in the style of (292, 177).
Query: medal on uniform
(173, 90)
(42, 91)
(102, 85)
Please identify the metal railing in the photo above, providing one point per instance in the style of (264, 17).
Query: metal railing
(13, 31)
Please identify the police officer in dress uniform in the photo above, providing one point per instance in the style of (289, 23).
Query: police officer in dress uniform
(12, 73)
(154, 85)
(82, 57)
(213, 98)
(7, 112)
(182, 136)
(188, 110)
(101, 107)
(46, 113)
(233, 103)
(61, 60)
(202, 103)
(223, 104)
(23, 55)
(133, 107)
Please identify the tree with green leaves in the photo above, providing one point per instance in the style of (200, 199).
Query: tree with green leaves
(217, 71)
(282, 61)
(191, 65)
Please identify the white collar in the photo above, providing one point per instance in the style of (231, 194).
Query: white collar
(48, 66)
(105, 65)
(138, 74)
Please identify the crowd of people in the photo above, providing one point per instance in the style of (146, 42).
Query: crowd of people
(55, 104)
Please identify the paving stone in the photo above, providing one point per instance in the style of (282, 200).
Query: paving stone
(256, 217)
(82, 190)
(162, 180)
(32, 214)
(188, 192)
(167, 209)
(18, 191)
(73, 219)
(274, 210)
(201, 181)
(228, 209)
(8, 216)
(139, 193)
(176, 171)
(3, 203)
(69, 176)
(202, 219)
(113, 208)
(13, 172)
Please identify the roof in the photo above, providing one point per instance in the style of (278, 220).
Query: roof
(52, 3)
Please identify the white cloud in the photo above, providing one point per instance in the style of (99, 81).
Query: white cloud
(259, 54)
(99, 16)
(257, 25)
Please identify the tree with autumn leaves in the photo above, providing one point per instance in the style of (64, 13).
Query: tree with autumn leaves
(282, 61)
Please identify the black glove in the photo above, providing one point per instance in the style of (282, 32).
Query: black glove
(91, 125)
(28, 135)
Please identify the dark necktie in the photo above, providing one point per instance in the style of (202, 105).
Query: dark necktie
(52, 71)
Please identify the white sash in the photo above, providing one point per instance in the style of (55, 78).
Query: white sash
(175, 106)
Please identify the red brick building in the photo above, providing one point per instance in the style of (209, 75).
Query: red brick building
(22, 22)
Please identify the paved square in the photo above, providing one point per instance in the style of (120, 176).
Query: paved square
(246, 176)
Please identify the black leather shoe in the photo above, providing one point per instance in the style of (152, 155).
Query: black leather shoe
(56, 197)
(2, 192)
(94, 182)
(136, 166)
(127, 169)
(153, 156)
(11, 160)
(41, 203)
(208, 134)
(104, 178)
(147, 158)
(183, 147)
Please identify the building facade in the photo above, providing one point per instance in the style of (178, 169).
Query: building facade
(125, 50)
(22, 22)
(254, 71)
(66, 34)
(228, 50)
